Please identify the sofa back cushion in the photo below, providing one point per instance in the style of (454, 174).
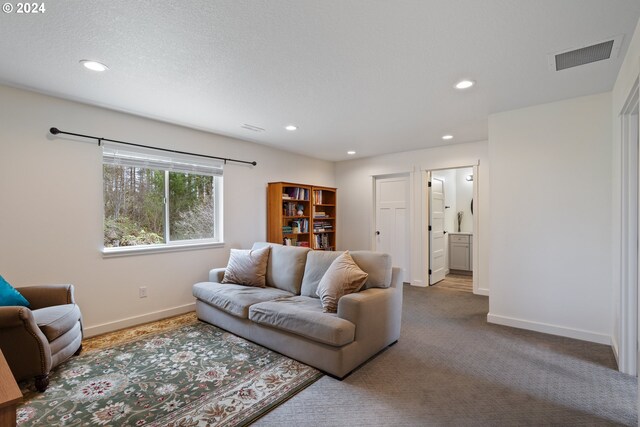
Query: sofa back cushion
(376, 264)
(318, 263)
(285, 267)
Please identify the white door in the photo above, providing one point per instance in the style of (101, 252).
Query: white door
(392, 220)
(436, 231)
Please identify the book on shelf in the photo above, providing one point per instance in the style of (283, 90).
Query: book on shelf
(292, 208)
(319, 214)
(320, 226)
(296, 193)
(321, 241)
(294, 242)
(299, 225)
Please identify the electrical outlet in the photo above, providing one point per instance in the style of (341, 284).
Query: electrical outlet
(142, 291)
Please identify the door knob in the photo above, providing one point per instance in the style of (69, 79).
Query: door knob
(377, 233)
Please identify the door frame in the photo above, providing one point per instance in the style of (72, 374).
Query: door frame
(424, 226)
(410, 219)
(629, 229)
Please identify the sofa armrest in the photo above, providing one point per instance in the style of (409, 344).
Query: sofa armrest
(41, 296)
(216, 275)
(376, 312)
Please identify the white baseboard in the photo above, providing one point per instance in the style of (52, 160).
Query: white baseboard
(549, 329)
(615, 348)
(90, 331)
(482, 291)
(418, 283)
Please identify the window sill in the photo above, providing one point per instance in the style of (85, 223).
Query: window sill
(152, 249)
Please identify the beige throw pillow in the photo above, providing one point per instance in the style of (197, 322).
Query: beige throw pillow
(341, 278)
(247, 267)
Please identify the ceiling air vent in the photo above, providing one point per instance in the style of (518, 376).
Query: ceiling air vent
(252, 128)
(585, 55)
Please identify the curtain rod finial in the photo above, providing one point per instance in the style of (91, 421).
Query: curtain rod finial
(254, 163)
(54, 131)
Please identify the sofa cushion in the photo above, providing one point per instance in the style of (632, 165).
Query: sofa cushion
(303, 316)
(247, 267)
(235, 299)
(286, 266)
(377, 265)
(54, 321)
(318, 263)
(343, 277)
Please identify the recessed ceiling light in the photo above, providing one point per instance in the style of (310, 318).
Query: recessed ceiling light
(291, 127)
(351, 152)
(447, 137)
(94, 65)
(465, 84)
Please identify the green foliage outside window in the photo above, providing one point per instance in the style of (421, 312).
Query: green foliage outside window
(135, 211)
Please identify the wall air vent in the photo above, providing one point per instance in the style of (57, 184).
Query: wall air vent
(585, 55)
(252, 128)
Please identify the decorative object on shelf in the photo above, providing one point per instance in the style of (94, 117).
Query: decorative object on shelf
(460, 214)
(300, 210)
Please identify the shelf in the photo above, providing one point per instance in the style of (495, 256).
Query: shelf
(322, 232)
(294, 234)
(321, 218)
(295, 200)
(296, 217)
(324, 204)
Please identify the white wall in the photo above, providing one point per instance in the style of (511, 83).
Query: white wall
(51, 216)
(627, 76)
(354, 179)
(464, 194)
(550, 264)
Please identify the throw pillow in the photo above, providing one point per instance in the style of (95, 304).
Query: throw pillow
(247, 267)
(341, 278)
(10, 296)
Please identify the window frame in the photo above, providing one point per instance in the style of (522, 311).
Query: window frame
(171, 245)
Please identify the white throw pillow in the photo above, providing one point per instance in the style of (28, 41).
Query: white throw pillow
(341, 278)
(247, 267)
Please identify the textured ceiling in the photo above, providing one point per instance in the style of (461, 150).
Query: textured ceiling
(367, 75)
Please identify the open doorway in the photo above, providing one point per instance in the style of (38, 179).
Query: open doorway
(451, 228)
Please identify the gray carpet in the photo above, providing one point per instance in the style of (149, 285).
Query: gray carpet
(452, 368)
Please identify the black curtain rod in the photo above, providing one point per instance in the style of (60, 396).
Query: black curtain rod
(56, 131)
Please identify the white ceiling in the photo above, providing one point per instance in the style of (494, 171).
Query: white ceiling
(367, 75)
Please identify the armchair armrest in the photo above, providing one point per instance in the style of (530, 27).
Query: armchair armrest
(23, 344)
(41, 296)
(216, 275)
(15, 316)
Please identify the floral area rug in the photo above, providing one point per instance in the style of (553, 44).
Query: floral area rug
(194, 375)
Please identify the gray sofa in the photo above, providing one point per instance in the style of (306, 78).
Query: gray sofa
(286, 315)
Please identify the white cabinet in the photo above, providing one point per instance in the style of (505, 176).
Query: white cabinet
(460, 251)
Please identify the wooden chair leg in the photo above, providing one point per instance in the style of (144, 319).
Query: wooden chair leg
(42, 382)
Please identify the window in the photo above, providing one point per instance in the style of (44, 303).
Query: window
(155, 200)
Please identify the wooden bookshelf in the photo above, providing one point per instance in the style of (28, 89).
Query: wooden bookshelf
(294, 215)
